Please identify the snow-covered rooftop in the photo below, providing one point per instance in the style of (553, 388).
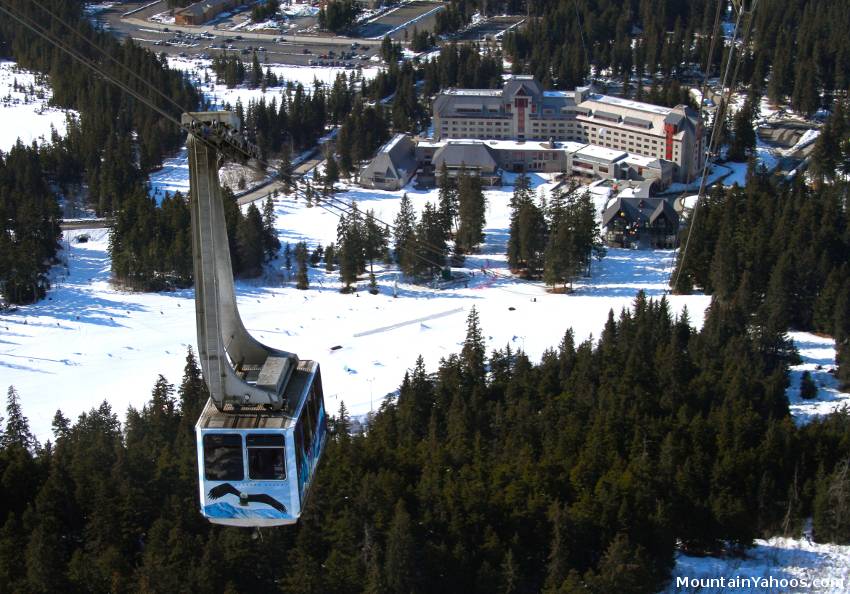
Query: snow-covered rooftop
(600, 152)
(640, 160)
(391, 143)
(474, 92)
(629, 104)
(515, 145)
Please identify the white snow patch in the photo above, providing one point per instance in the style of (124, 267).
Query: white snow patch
(172, 177)
(818, 355)
(26, 113)
(297, 9)
(98, 342)
(778, 558)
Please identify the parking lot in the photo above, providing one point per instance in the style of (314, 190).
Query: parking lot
(272, 52)
(207, 41)
(420, 14)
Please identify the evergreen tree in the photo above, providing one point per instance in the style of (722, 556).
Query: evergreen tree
(474, 347)
(400, 573)
(430, 242)
(331, 173)
(351, 244)
(302, 281)
(376, 240)
(17, 432)
(249, 241)
(471, 213)
(560, 257)
(330, 255)
(448, 203)
(832, 506)
(271, 244)
(808, 388)
(404, 244)
(744, 135)
(527, 231)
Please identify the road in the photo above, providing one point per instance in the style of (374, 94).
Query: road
(261, 192)
(85, 224)
(251, 35)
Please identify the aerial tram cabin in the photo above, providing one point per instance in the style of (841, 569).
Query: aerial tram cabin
(262, 432)
(257, 465)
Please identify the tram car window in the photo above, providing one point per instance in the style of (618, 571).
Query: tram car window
(223, 457)
(266, 459)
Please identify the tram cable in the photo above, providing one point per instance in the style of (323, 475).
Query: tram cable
(720, 114)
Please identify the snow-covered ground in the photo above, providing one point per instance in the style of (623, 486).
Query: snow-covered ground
(818, 355)
(794, 565)
(200, 71)
(25, 113)
(764, 156)
(172, 177)
(89, 341)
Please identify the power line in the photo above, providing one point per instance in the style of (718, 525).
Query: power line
(719, 116)
(581, 36)
(710, 57)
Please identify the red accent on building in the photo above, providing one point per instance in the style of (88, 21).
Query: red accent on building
(669, 131)
(521, 104)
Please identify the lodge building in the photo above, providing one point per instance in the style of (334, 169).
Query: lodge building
(523, 112)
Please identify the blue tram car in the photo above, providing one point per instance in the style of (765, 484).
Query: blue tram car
(257, 465)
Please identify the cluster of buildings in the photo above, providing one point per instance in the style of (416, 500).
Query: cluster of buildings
(522, 128)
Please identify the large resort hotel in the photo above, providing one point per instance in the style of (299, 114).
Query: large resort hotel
(523, 128)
